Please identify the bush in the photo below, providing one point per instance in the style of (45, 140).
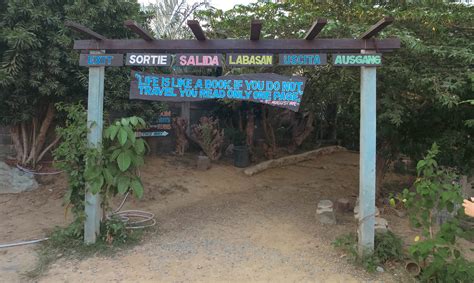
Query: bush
(436, 190)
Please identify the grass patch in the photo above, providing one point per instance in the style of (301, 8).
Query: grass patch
(65, 245)
(387, 247)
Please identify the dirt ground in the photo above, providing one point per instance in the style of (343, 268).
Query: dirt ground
(217, 225)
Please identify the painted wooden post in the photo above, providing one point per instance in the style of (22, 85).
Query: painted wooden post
(186, 114)
(366, 231)
(95, 104)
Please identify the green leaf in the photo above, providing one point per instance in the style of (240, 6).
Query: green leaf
(123, 161)
(96, 184)
(122, 136)
(137, 188)
(125, 122)
(131, 135)
(113, 130)
(138, 160)
(109, 178)
(139, 146)
(123, 183)
(92, 172)
(134, 120)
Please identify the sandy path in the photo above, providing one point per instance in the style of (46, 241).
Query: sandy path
(219, 225)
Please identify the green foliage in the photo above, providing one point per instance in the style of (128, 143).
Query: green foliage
(114, 169)
(109, 170)
(387, 247)
(418, 86)
(436, 190)
(70, 156)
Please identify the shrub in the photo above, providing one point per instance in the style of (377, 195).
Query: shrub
(436, 189)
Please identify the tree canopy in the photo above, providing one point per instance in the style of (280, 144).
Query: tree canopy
(420, 86)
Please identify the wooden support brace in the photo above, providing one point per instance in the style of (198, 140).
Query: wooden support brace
(197, 30)
(315, 29)
(136, 28)
(375, 29)
(255, 29)
(84, 30)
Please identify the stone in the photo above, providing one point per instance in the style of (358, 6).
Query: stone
(356, 210)
(381, 225)
(203, 163)
(380, 269)
(343, 205)
(325, 212)
(13, 180)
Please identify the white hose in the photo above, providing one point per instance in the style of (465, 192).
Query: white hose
(9, 245)
(133, 219)
(37, 173)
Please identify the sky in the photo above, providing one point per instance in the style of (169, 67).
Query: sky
(220, 4)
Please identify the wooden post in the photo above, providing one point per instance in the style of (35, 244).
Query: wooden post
(367, 172)
(186, 114)
(95, 104)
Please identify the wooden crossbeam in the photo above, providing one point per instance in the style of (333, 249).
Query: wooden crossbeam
(84, 30)
(243, 45)
(197, 30)
(136, 28)
(315, 28)
(255, 29)
(375, 29)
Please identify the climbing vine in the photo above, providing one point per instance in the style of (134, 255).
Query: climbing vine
(108, 170)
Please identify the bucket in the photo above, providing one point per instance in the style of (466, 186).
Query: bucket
(241, 156)
(412, 268)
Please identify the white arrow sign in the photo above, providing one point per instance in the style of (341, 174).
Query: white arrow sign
(152, 134)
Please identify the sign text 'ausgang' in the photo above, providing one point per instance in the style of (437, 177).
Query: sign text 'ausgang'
(356, 59)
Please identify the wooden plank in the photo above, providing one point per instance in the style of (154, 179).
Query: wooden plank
(197, 30)
(367, 169)
(237, 46)
(316, 28)
(136, 28)
(255, 29)
(84, 30)
(375, 29)
(95, 120)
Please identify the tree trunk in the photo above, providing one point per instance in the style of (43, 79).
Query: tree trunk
(48, 119)
(25, 143)
(180, 126)
(269, 147)
(250, 129)
(301, 129)
(15, 134)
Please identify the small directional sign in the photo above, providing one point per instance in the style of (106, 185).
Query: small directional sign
(152, 134)
(99, 60)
